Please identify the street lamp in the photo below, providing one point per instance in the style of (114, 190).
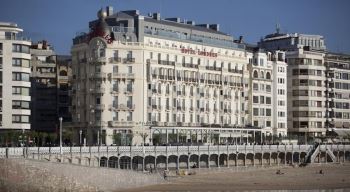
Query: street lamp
(80, 133)
(60, 119)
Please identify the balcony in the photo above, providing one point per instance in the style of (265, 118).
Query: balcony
(99, 107)
(122, 107)
(129, 60)
(115, 90)
(123, 75)
(99, 61)
(129, 90)
(163, 62)
(121, 123)
(115, 60)
(190, 65)
(98, 75)
(97, 90)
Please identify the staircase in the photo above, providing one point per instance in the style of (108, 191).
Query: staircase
(330, 153)
(315, 152)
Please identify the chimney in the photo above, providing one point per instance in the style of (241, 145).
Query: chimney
(191, 22)
(44, 44)
(240, 39)
(214, 27)
(156, 16)
(109, 10)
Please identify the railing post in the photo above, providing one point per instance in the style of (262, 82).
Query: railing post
(38, 153)
(7, 152)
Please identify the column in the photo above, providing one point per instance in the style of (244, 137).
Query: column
(167, 136)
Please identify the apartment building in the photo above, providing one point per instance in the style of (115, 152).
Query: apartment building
(14, 78)
(144, 75)
(306, 83)
(268, 93)
(50, 87)
(338, 91)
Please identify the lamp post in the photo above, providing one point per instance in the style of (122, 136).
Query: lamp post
(61, 119)
(80, 133)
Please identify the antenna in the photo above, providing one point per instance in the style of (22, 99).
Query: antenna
(278, 27)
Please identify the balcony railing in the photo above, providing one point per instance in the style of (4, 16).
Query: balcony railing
(129, 60)
(115, 59)
(121, 123)
(97, 90)
(123, 75)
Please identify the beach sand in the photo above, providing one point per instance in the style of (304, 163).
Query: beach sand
(335, 176)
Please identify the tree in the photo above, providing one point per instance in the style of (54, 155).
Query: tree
(117, 138)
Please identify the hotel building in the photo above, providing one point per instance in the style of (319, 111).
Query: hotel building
(306, 83)
(14, 78)
(143, 75)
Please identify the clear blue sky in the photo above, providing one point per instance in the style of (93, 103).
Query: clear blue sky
(58, 20)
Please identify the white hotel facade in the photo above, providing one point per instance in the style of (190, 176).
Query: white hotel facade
(142, 76)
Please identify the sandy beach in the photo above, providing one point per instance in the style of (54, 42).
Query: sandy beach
(335, 176)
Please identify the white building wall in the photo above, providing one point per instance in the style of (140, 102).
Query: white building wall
(8, 121)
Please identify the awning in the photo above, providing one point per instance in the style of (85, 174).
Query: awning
(342, 132)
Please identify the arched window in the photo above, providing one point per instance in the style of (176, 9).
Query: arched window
(63, 73)
(255, 74)
(268, 76)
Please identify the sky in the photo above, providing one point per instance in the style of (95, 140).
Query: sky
(58, 21)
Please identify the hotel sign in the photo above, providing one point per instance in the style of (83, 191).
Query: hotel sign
(201, 53)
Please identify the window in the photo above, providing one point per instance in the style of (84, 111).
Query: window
(20, 119)
(262, 99)
(255, 99)
(268, 100)
(129, 117)
(20, 104)
(255, 111)
(129, 69)
(268, 112)
(129, 55)
(17, 62)
(20, 91)
(17, 76)
(20, 48)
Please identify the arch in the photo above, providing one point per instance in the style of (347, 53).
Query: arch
(266, 158)
(223, 160)
(149, 162)
(241, 159)
(172, 161)
(213, 160)
(183, 161)
(250, 159)
(232, 159)
(63, 73)
(194, 159)
(258, 159)
(125, 162)
(113, 162)
(137, 162)
(274, 157)
(255, 74)
(268, 75)
(203, 160)
(161, 161)
(103, 161)
(281, 157)
(289, 158)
